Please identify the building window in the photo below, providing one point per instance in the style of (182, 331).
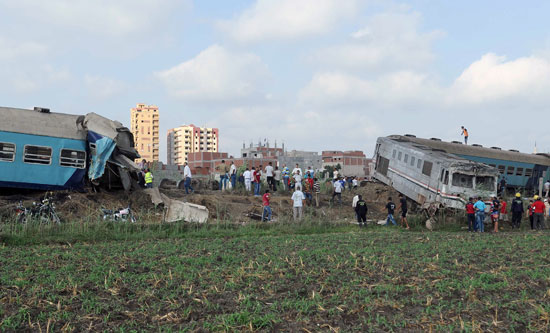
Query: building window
(7, 152)
(72, 158)
(37, 155)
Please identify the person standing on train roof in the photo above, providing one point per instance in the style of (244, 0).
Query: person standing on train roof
(517, 211)
(479, 207)
(465, 133)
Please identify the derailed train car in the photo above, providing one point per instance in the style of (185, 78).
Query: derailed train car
(431, 176)
(43, 150)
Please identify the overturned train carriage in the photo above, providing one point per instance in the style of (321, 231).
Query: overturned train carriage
(43, 150)
(430, 176)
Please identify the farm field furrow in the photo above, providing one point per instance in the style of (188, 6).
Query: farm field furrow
(354, 281)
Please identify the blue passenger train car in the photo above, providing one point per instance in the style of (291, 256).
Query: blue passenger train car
(519, 170)
(41, 150)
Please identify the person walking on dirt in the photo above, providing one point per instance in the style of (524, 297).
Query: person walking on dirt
(247, 179)
(354, 205)
(276, 178)
(503, 216)
(187, 179)
(148, 179)
(233, 175)
(479, 207)
(471, 215)
(224, 175)
(337, 191)
(316, 191)
(361, 210)
(297, 204)
(269, 175)
(403, 208)
(297, 179)
(517, 211)
(266, 213)
(495, 209)
(530, 214)
(465, 134)
(286, 176)
(539, 212)
(390, 206)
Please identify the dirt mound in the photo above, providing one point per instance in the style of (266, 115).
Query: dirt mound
(225, 206)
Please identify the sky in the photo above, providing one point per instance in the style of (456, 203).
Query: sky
(314, 74)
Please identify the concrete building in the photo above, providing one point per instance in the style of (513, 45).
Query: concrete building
(261, 151)
(186, 139)
(353, 163)
(144, 124)
(303, 158)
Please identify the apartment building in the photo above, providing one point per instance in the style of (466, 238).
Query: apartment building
(144, 124)
(186, 139)
(353, 163)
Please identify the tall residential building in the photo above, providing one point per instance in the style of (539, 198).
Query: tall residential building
(145, 127)
(190, 139)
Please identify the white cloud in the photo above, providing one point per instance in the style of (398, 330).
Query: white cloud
(390, 40)
(100, 87)
(216, 74)
(492, 79)
(396, 88)
(288, 19)
(12, 50)
(113, 18)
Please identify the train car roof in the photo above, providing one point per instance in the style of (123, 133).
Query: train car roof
(461, 149)
(453, 160)
(59, 125)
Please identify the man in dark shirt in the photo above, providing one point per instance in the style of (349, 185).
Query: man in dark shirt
(403, 206)
(517, 211)
(495, 213)
(361, 210)
(391, 209)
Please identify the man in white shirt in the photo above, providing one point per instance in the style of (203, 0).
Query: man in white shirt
(187, 179)
(247, 179)
(337, 191)
(298, 180)
(297, 169)
(269, 175)
(354, 202)
(297, 204)
(233, 175)
(335, 173)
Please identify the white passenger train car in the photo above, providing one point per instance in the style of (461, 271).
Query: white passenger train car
(427, 175)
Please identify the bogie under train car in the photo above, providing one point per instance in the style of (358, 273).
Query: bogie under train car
(428, 175)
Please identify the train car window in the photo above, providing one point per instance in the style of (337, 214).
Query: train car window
(419, 163)
(493, 165)
(37, 155)
(427, 168)
(463, 180)
(412, 160)
(93, 148)
(382, 165)
(7, 152)
(406, 159)
(446, 179)
(501, 169)
(394, 153)
(399, 156)
(519, 171)
(528, 172)
(442, 175)
(485, 183)
(72, 158)
(510, 170)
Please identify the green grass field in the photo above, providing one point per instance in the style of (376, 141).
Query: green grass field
(324, 279)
